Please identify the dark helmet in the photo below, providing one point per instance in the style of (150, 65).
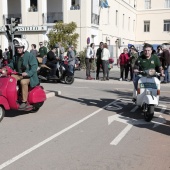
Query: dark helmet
(56, 46)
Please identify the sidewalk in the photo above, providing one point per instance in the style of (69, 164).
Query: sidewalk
(114, 75)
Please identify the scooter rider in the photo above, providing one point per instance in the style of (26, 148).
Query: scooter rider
(25, 64)
(145, 62)
(52, 61)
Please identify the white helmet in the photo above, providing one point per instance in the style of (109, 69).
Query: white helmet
(20, 42)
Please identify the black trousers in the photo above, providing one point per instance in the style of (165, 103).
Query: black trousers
(124, 68)
(53, 68)
(99, 63)
(88, 66)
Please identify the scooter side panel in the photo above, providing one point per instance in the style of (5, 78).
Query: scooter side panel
(148, 99)
(36, 95)
(12, 94)
(3, 85)
(4, 102)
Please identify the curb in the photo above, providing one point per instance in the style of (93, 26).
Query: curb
(52, 94)
(111, 81)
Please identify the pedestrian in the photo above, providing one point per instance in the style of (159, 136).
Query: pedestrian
(105, 61)
(34, 51)
(71, 59)
(132, 60)
(165, 58)
(61, 51)
(5, 54)
(159, 50)
(123, 63)
(1, 56)
(9, 54)
(99, 61)
(88, 60)
(73, 48)
(43, 52)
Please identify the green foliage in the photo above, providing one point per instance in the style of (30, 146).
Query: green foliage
(64, 33)
(82, 55)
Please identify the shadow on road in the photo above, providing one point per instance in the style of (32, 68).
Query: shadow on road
(126, 107)
(14, 113)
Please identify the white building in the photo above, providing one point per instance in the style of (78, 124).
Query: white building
(124, 22)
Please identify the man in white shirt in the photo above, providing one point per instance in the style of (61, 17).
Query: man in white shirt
(88, 60)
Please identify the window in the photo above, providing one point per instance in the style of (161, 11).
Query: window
(33, 6)
(146, 26)
(75, 5)
(147, 4)
(167, 25)
(116, 22)
(167, 3)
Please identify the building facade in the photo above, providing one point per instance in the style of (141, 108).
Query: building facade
(123, 22)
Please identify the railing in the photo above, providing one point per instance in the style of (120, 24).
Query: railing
(95, 19)
(52, 17)
(7, 18)
(75, 7)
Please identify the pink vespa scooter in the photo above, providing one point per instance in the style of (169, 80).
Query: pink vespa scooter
(10, 94)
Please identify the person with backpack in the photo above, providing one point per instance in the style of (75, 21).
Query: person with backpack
(132, 60)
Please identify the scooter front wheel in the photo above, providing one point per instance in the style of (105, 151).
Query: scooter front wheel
(148, 115)
(2, 113)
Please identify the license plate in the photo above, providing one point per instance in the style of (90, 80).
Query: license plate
(148, 85)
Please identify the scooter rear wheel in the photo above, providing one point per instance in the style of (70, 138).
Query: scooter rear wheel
(2, 113)
(148, 115)
(69, 79)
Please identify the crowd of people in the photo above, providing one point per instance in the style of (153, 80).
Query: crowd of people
(129, 58)
(102, 58)
(26, 63)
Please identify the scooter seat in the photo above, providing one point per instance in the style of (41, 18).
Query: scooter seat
(44, 66)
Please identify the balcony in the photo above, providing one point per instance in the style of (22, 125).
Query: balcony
(95, 19)
(52, 17)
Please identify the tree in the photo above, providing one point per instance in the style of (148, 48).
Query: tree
(64, 33)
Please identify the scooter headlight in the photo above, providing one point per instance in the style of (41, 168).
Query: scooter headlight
(4, 72)
(148, 93)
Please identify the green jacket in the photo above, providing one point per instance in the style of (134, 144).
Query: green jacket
(29, 62)
(42, 51)
(133, 58)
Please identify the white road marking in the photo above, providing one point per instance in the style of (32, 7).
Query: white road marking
(74, 87)
(134, 109)
(93, 102)
(116, 106)
(121, 135)
(130, 121)
(12, 160)
(158, 121)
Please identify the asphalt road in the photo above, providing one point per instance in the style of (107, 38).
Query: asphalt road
(92, 125)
